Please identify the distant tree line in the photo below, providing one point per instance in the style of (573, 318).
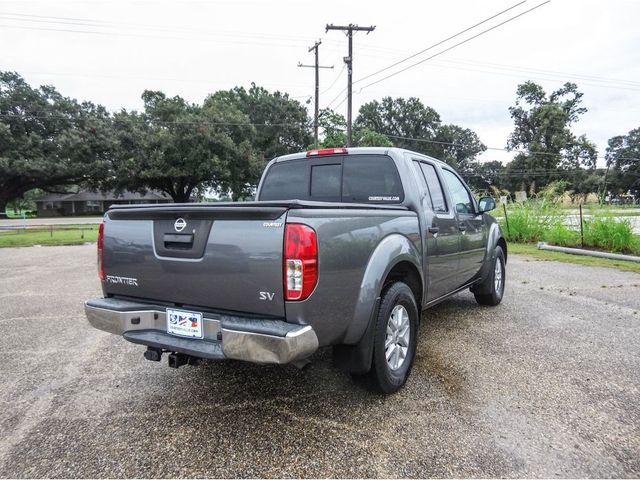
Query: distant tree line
(50, 142)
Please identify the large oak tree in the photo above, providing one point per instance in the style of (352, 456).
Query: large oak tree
(47, 140)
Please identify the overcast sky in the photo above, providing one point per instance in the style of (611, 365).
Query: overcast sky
(110, 51)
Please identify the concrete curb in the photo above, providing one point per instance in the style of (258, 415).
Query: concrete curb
(588, 253)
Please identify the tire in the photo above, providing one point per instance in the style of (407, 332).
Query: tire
(397, 319)
(490, 292)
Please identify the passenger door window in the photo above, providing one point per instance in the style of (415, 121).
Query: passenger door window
(459, 193)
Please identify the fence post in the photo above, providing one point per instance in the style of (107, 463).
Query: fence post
(581, 229)
(51, 230)
(506, 220)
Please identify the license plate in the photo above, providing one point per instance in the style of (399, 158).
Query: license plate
(183, 323)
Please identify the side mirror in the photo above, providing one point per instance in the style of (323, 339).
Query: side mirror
(486, 204)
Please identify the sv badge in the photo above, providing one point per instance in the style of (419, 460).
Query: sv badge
(267, 296)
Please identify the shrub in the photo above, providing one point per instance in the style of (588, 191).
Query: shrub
(609, 233)
(529, 221)
(560, 234)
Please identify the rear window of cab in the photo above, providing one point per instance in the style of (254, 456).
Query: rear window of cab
(345, 178)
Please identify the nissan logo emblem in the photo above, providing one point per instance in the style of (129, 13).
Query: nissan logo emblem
(179, 224)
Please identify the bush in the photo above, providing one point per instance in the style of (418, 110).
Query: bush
(529, 221)
(560, 234)
(543, 219)
(609, 233)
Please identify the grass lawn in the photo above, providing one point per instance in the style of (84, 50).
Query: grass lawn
(62, 235)
(532, 251)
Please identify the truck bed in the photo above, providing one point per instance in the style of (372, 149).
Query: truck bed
(228, 256)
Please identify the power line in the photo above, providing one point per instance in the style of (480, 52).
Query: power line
(438, 43)
(542, 76)
(163, 28)
(341, 102)
(199, 122)
(337, 97)
(162, 122)
(335, 80)
(138, 35)
(502, 149)
(455, 45)
(516, 68)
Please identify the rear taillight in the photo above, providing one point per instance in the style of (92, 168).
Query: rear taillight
(101, 251)
(326, 151)
(300, 261)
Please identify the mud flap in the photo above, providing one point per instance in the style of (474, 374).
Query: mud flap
(356, 359)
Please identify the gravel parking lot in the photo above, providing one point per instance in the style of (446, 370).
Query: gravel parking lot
(545, 385)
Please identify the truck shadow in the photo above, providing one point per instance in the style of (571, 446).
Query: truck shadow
(433, 366)
(234, 419)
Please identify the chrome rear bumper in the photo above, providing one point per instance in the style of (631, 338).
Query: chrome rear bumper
(225, 337)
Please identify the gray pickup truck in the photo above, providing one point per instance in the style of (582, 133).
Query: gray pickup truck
(343, 248)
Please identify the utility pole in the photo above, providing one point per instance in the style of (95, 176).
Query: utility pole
(349, 61)
(317, 66)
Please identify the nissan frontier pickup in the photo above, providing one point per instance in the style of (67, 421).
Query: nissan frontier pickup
(343, 247)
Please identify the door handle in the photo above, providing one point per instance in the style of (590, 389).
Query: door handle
(434, 229)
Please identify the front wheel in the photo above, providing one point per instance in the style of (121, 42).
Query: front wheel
(490, 292)
(395, 338)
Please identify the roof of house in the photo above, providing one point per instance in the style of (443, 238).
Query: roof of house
(96, 195)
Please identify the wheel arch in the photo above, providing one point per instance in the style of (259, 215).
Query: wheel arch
(394, 255)
(394, 259)
(408, 273)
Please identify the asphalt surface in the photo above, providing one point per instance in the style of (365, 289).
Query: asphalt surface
(545, 385)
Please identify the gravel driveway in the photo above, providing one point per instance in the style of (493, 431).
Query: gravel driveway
(545, 385)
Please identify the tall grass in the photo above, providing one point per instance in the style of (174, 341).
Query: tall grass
(609, 233)
(560, 234)
(543, 218)
(529, 221)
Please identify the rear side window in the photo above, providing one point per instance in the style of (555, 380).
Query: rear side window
(435, 188)
(371, 179)
(352, 179)
(286, 181)
(422, 181)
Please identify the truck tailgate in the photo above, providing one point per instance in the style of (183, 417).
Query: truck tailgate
(217, 257)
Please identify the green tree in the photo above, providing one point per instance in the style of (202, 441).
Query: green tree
(409, 124)
(282, 124)
(406, 122)
(623, 161)
(182, 149)
(542, 127)
(457, 146)
(481, 176)
(333, 126)
(47, 140)
(364, 137)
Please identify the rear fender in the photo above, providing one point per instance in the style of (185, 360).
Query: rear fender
(392, 250)
(355, 354)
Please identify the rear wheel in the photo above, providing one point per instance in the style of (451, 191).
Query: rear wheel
(395, 338)
(490, 292)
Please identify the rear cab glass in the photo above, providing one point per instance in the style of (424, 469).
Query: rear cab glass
(344, 178)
